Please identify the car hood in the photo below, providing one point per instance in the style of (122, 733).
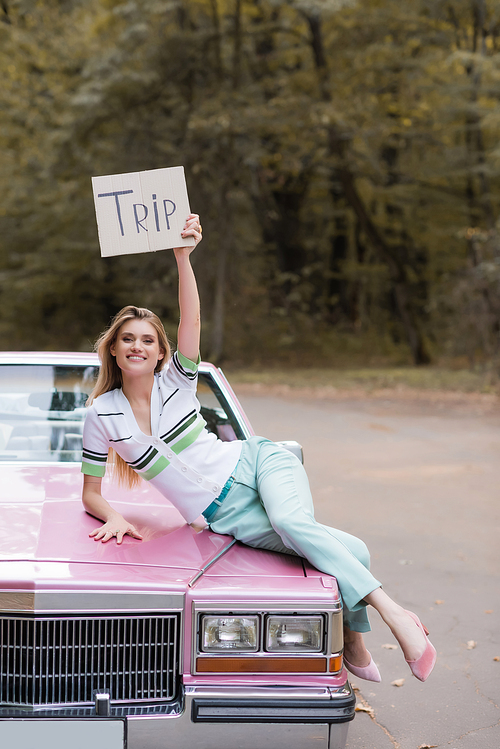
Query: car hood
(44, 537)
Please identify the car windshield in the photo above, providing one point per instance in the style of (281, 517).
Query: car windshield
(42, 410)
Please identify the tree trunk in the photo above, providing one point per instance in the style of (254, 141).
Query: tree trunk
(403, 292)
(237, 46)
(403, 295)
(219, 310)
(217, 39)
(481, 210)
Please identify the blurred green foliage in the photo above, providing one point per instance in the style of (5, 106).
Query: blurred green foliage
(343, 155)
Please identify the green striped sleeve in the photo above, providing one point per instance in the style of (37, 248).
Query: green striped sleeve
(187, 363)
(89, 469)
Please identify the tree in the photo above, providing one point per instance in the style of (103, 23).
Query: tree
(343, 154)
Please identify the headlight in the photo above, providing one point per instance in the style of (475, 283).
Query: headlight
(229, 633)
(294, 633)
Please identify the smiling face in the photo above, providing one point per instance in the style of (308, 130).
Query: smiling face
(136, 347)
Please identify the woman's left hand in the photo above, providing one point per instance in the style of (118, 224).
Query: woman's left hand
(192, 228)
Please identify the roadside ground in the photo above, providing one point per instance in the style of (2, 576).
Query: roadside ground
(417, 476)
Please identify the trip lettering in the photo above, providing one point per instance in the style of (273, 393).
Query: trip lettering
(141, 211)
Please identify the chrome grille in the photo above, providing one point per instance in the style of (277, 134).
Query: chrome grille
(53, 661)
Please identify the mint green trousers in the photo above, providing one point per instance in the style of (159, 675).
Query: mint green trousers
(269, 506)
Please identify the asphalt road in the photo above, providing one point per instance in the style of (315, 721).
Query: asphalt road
(420, 483)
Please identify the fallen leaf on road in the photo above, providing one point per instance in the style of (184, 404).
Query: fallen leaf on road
(390, 646)
(380, 427)
(427, 746)
(488, 611)
(496, 658)
(471, 644)
(439, 601)
(365, 709)
(397, 683)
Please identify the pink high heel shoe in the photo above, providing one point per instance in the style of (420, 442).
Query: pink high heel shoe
(422, 667)
(369, 672)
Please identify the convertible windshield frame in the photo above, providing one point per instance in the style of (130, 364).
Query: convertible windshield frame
(43, 397)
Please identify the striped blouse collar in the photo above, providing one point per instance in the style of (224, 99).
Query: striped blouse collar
(155, 414)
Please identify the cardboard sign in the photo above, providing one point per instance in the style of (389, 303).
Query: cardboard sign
(141, 211)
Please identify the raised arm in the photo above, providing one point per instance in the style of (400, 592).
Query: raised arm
(188, 336)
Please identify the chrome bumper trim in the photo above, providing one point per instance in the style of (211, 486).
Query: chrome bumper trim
(281, 717)
(272, 704)
(323, 723)
(100, 602)
(234, 711)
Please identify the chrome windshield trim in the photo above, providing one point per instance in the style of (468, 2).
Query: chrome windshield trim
(232, 401)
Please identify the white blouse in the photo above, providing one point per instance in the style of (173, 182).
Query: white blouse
(188, 464)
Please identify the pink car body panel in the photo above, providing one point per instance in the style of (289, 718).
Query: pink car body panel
(45, 550)
(51, 549)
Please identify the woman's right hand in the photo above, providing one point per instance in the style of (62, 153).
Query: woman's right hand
(115, 524)
(117, 527)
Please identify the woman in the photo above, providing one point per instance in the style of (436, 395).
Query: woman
(144, 407)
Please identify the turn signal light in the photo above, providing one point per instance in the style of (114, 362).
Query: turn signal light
(335, 663)
(240, 664)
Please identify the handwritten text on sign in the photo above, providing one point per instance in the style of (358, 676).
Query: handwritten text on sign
(141, 211)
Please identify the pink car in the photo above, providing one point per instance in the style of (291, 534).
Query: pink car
(182, 640)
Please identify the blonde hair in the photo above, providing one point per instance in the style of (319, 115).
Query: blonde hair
(110, 375)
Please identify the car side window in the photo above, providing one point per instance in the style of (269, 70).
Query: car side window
(216, 410)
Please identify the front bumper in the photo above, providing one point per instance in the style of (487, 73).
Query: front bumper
(270, 705)
(225, 717)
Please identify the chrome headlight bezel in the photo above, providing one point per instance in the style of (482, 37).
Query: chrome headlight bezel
(229, 633)
(210, 657)
(285, 633)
